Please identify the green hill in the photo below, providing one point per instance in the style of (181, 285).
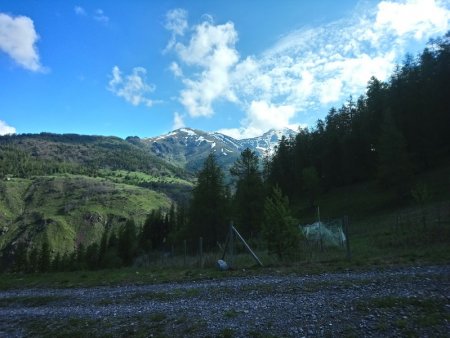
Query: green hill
(69, 210)
(37, 154)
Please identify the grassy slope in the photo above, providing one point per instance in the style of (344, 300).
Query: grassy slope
(376, 235)
(70, 209)
(136, 178)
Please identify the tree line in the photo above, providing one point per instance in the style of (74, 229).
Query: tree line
(116, 248)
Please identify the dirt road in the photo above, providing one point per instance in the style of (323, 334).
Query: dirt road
(392, 302)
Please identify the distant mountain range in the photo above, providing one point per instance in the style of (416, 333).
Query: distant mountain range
(188, 147)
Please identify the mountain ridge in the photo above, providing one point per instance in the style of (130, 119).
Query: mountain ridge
(187, 147)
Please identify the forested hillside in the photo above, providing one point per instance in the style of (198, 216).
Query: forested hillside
(397, 129)
(25, 155)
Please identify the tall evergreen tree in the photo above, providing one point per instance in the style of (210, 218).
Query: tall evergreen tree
(311, 183)
(208, 208)
(20, 257)
(103, 248)
(281, 167)
(279, 229)
(33, 260)
(44, 257)
(127, 243)
(394, 167)
(248, 200)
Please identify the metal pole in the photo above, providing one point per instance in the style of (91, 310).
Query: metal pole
(247, 246)
(201, 251)
(231, 245)
(185, 252)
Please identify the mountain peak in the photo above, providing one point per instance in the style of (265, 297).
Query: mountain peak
(188, 147)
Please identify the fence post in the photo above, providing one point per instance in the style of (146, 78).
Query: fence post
(439, 215)
(347, 238)
(320, 229)
(201, 251)
(184, 252)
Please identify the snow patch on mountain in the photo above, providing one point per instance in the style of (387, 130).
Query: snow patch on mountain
(190, 132)
(188, 147)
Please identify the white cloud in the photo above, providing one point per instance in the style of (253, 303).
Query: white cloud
(17, 39)
(176, 21)
(100, 16)
(306, 70)
(211, 50)
(417, 17)
(97, 15)
(176, 69)
(262, 116)
(178, 121)
(80, 11)
(133, 87)
(5, 129)
(312, 68)
(330, 91)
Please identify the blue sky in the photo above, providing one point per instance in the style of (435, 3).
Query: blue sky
(240, 67)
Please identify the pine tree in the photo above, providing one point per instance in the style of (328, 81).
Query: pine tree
(311, 183)
(208, 208)
(92, 256)
(80, 258)
(279, 228)
(20, 257)
(248, 200)
(103, 249)
(44, 257)
(33, 260)
(394, 167)
(56, 263)
(127, 247)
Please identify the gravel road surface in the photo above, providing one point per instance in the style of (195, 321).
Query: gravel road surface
(412, 301)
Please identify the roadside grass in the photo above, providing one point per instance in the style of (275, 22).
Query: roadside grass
(417, 313)
(155, 325)
(30, 301)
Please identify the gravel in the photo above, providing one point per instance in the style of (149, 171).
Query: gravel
(381, 303)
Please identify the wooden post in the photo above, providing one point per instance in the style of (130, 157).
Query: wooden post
(184, 252)
(347, 238)
(200, 244)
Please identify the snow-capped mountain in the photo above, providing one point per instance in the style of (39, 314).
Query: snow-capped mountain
(189, 147)
(267, 142)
